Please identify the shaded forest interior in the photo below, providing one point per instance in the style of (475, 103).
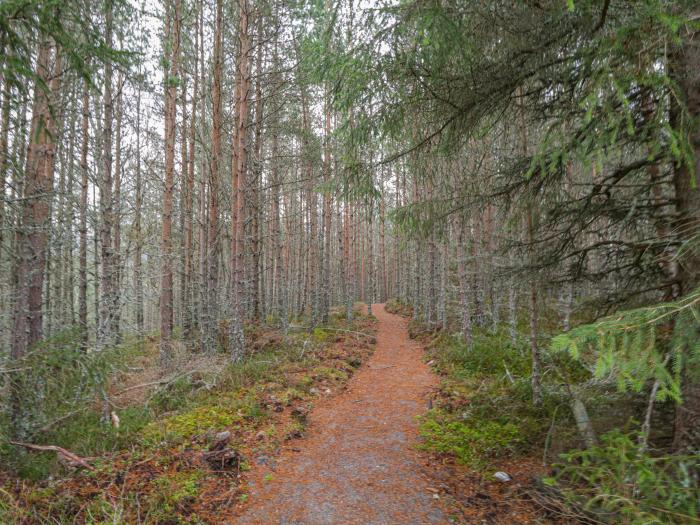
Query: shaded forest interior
(196, 196)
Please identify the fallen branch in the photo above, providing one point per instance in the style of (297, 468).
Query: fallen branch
(165, 381)
(50, 424)
(66, 456)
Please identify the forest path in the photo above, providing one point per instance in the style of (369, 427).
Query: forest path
(358, 463)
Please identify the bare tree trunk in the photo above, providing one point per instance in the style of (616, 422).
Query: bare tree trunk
(116, 316)
(82, 252)
(210, 299)
(382, 246)
(513, 311)
(138, 236)
(534, 312)
(370, 260)
(349, 277)
(327, 203)
(33, 231)
(442, 298)
(256, 285)
(239, 186)
(183, 302)
(166, 292)
(311, 207)
(203, 276)
(188, 289)
(108, 292)
(4, 157)
(464, 288)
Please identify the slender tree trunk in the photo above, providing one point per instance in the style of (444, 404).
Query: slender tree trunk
(138, 236)
(327, 203)
(310, 197)
(513, 311)
(4, 157)
(442, 297)
(190, 296)
(382, 247)
(464, 287)
(166, 293)
(210, 300)
(83, 231)
(534, 312)
(108, 292)
(278, 263)
(183, 301)
(116, 316)
(256, 285)
(347, 263)
(239, 186)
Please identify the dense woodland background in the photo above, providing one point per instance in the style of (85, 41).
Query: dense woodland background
(189, 173)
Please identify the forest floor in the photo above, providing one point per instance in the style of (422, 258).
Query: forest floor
(359, 462)
(326, 426)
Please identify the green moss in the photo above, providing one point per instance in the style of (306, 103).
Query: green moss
(178, 487)
(174, 397)
(332, 374)
(295, 429)
(193, 422)
(254, 411)
(321, 335)
(172, 496)
(305, 382)
(291, 394)
(472, 443)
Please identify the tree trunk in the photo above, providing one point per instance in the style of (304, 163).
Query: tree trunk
(210, 299)
(33, 231)
(685, 69)
(188, 290)
(464, 287)
(534, 312)
(138, 237)
(239, 187)
(327, 203)
(108, 292)
(166, 292)
(83, 229)
(257, 288)
(116, 316)
(4, 157)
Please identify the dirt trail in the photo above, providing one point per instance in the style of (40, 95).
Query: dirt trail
(358, 465)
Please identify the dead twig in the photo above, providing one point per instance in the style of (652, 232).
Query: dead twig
(66, 456)
(50, 424)
(159, 382)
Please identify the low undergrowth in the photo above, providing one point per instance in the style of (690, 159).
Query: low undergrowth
(398, 307)
(482, 411)
(483, 418)
(162, 464)
(471, 443)
(616, 479)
